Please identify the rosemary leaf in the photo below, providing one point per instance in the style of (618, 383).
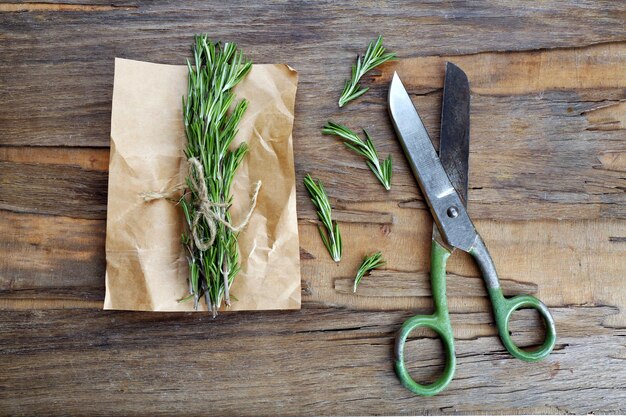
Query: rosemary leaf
(368, 265)
(382, 169)
(210, 127)
(330, 234)
(374, 56)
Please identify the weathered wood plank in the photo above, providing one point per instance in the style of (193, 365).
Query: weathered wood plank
(569, 262)
(93, 159)
(271, 363)
(69, 55)
(60, 257)
(51, 257)
(53, 189)
(596, 68)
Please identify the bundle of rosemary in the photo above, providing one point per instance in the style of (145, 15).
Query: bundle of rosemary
(210, 127)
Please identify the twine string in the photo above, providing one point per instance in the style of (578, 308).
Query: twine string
(205, 207)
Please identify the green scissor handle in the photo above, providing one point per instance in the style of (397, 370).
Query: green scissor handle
(439, 321)
(503, 308)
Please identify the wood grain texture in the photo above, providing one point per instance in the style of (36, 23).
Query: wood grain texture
(51, 257)
(315, 361)
(548, 193)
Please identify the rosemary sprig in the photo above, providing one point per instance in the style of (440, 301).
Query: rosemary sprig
(368, 265)
(374, 56)
(382, 169)
(331, 236)
(210, 128)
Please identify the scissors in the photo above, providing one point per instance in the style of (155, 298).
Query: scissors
(443, 180)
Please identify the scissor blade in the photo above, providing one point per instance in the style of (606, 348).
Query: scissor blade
(445, 203)
(454, 138)
(455, 129)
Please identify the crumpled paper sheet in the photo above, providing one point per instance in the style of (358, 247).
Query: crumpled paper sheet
(146, 265)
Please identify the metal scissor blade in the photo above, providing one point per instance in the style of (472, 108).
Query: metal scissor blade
(455, 129)
(446, 206)
(454, 138)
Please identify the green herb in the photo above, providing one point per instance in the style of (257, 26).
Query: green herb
(331, 235)
(210, 129)
(383, 170)
(368, 265)
(374, 56)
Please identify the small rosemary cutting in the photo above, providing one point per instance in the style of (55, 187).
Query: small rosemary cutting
(331, 235)
(368, 265)
(210, 129)
(374, 56)
(382, 169)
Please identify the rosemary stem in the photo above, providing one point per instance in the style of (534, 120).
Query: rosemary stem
(373, 57)
(225, 273)
(383, 171)
(330, 234)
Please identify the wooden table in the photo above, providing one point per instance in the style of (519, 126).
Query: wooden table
(548, 192)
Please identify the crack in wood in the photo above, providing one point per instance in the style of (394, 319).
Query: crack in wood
(343, 215)
(390, 283)
(334, 330)
(606, 118)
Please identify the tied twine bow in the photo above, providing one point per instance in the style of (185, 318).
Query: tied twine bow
(205, 206)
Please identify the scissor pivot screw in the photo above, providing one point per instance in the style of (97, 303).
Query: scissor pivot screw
(452, 212)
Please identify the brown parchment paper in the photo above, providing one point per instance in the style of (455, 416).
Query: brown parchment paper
(146, 265)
